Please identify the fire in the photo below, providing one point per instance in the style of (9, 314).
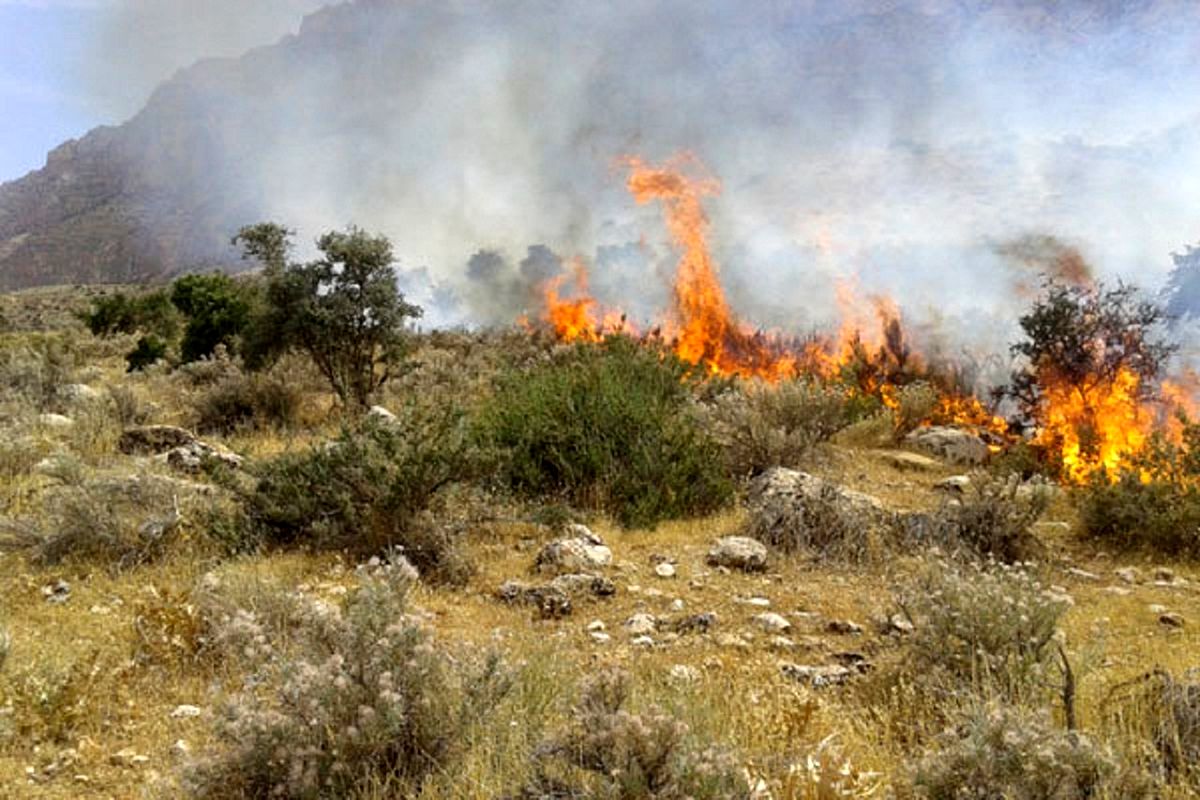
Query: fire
(1095, 427)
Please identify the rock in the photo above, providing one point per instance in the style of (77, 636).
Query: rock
(550, 602)
(1127, 574)
(1118, 591)
(952, 444)
(641, 624)
(678, 605)
(195, 456)
(181, 749)
(1156, 608)
(595, 625)
(1164, 574)
(781, 643)
(695, 623)
(642, 641)
(817, 676)
(904, 460)
(186, 712)
(583, 551)
(665, 570)
(793, 509)
(733, 641)
(577, 584)
(80, 393)
(844, 627)
(772, 622)
(56, 421)
(738, 552)
(898, 623)
(153, 439)
(1172, 619)
(126, 757)
(757, 602)
(1082, 574)
(380, 415)
(682, 673)
(600, 637)
(955, 484)
(57, 592)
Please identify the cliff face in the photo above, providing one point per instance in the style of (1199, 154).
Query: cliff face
(459, 125)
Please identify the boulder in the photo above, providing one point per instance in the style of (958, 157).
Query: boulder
(380, 415)
(952, 444)
(793, 510)
(738, 552)
(81, 393)
(195, 456)
(154, 439)
(582, 551)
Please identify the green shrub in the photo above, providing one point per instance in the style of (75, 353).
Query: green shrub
(989, 627)
(609, 753)
(367, 490)
(362, 699)
(149, 350)
(998, 752)
(760, 426)
(606, 427)
(217, 309)
(1152, 504)
(152, 312)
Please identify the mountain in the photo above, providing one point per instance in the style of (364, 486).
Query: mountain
(455, 126)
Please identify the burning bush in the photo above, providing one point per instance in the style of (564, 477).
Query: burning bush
(1154, 501)
(1092, 360)
(606, 426)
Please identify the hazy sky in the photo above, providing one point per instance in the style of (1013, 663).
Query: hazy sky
(69, 65)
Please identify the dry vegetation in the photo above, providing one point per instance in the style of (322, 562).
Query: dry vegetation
(165, 634)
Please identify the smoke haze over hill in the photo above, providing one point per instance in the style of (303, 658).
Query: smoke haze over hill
(898, 143)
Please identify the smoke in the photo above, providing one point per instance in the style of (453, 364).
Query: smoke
(893, 141)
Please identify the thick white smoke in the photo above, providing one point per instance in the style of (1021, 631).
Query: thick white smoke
(902, 142)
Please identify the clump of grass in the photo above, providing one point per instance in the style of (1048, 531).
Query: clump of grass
(1161, 714)
(987, 627)
(48, 701)
(364, 698)
(1007, 752)
(605, 427)
(610, 753)
(761, 425)
(367, 491)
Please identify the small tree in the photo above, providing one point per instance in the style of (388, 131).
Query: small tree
(344, 309)
(217, 311)
(1083, 338)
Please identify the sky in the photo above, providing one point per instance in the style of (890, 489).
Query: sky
(67, 66)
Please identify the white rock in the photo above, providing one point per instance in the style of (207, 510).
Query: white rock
(772, 622)
(642, 641)
(665, 570)
(641, 624)
(595, 625)
(186, 712)
(600, 637)
(739, 552)
(381, 415)
(1127, 574)
(952, 444)
(57, 421)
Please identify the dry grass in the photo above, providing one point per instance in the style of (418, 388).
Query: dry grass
(93, 676)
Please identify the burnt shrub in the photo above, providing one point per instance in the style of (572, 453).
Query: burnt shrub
(366, 491)
(363, 699)
(607, 427)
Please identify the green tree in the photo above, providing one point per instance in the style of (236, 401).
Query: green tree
(343, 309)
(149, 313)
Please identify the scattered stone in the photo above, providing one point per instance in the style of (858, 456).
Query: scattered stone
(153, 439)
(952, 444)
(817, 676)
(1164, 574)
(56, 421)
(1172, 619)
(899, 624)
(583, 551)
(955, 484)
(194, 457)
(181, 749)
(124, 757)
(1156, 608)
(641, 624)
(380, 415)
(1127, 574)
(733, 641)
(696, 623)
(682, 673)
(595, 625)
(1082, 574)
(781, 643)
(80, 393)
(550, 602)
(904, 460)
(854, 659)
(772, 622)
(843, 627)
(757, 602)
(186, 712)
(738, 552)
(576, 584)
(642, 641)
(600, 637)
(1118, 591)
(678, 605)
(665, 570)
(57, 592)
